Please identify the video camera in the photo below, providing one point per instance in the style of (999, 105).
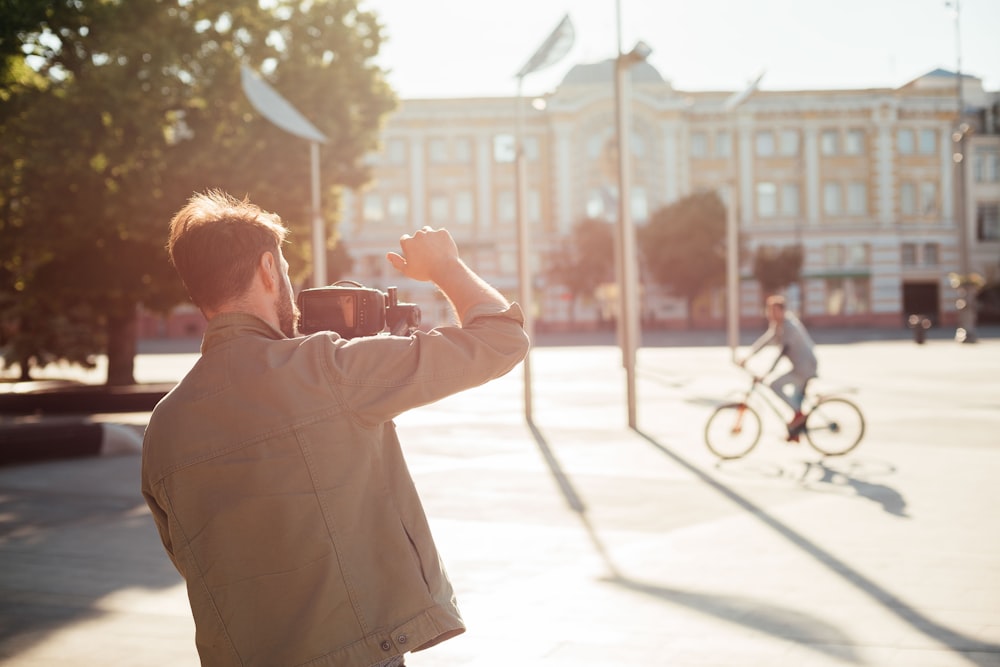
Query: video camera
(352, 310)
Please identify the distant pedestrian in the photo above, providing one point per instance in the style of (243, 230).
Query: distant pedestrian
(273, 470)
(787, 332)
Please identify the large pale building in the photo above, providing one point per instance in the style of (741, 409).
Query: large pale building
(865, 180)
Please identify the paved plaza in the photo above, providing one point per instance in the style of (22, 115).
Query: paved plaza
(577, 541)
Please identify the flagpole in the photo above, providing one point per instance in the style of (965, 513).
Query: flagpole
(553, 49)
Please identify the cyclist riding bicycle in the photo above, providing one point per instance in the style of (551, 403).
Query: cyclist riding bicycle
(785, 330)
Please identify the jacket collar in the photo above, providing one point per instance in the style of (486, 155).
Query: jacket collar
(225, 327)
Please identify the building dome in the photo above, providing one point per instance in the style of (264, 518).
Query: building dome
(603, 73)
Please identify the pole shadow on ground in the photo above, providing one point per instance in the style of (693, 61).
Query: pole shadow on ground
(982, 654)
(811, 632)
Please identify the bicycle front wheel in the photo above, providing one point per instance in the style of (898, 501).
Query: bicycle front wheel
(732, 430)
(835, 426)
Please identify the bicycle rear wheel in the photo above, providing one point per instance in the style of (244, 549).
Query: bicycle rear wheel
(732, 430)
(835, 426)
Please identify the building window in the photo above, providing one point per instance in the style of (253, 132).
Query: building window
(723, 144)
(907, 198)
(595, 147)
(699, 145)
(832, 199)
(930, 254)
(765, 143)
(533, 206)
(858, 254)
(437, 151)
(857, 198)
(504, 148)
(640, 205)
(506, 207)
(595, 204)
(395, 151)
(767, 200)
(928, 198)
(371, 208)
(399, 209)
(928, 142)
(854, 142)
(828, 141)
(439, 209)
(788, 142)
(847, 296)
(463, 150)
(531, 149)
(904, 142)
(986, 165)
(637, 144)
(908, 254)
(988, 222)
(834, 254)
(790, 200)
(464, 208)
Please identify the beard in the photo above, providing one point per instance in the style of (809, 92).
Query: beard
(288, 312)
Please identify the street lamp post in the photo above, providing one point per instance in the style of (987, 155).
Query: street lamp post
(965, 300)
(279, 111)
(628, 272)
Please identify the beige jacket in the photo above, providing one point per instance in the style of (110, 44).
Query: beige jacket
(280, 492)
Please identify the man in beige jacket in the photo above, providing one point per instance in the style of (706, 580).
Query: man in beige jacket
(273, 470)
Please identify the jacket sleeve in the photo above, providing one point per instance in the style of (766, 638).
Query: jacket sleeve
(766, 338)
(380, 377)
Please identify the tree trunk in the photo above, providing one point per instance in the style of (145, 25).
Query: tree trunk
(25, 365)
(122, 347)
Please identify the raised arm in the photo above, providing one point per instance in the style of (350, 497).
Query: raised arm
(432, 255)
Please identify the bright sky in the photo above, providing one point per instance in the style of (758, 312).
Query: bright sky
(457, 48)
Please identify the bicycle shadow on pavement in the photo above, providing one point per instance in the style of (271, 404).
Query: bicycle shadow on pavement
(852, 476)
(820, 476)
(809, 631)
(976, 652)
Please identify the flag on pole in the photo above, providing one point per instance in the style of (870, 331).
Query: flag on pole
(740, 97)
(276, 108)
(552, 50)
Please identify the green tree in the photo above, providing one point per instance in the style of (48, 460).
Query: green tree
(777, 268)
(113, 112)
(583, 260)
(683, 246)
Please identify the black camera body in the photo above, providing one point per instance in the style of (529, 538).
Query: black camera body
(352, 310)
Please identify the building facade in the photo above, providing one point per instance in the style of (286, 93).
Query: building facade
(865, 180)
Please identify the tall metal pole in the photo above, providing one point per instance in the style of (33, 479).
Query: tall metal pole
(626, 231)
(318, 231)
(733, 264)
(733, 222)
(965, 303)
(523, 264)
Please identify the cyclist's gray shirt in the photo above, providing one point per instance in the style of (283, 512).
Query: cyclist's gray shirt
(795, 344)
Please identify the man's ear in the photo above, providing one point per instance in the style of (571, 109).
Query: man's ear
(267, 269)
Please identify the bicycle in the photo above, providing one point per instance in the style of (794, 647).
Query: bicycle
(833, 425)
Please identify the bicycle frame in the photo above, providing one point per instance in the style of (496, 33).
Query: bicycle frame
(769, 398)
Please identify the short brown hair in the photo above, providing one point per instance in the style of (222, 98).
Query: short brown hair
(216, 242)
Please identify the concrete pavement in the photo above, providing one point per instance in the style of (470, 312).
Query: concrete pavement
(578, 541)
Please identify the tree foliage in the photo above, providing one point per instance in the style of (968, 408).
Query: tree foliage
(584, 260)
(113, 112)
(683, 246)
(777, 268)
